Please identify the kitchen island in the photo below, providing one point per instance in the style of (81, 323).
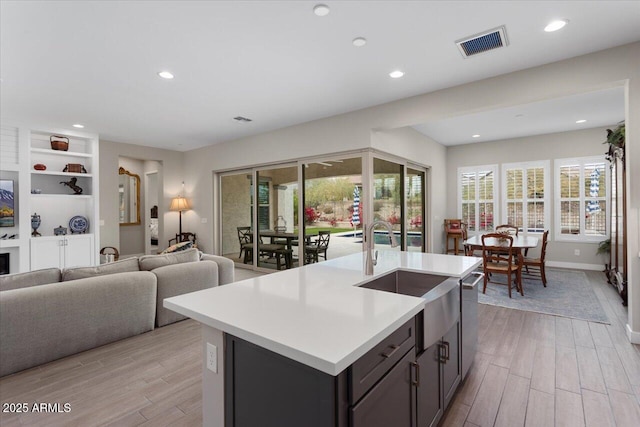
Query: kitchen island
(320, 317)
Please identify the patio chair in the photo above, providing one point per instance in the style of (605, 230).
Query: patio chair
(317, 248)
(500, 260)
(245, 238)
(538, 262)
(454, 229)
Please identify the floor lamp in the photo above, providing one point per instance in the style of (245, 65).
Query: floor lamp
(179, 204)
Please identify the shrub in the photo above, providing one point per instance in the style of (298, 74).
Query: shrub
(393, 219)
(310, 215)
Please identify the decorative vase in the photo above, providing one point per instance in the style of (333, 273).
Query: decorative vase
(35, 223)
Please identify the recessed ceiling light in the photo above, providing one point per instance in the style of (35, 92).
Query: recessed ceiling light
(581, 121)
(396, 74)
(78, 125)
(475, 136)
(165, 75)
(359, 41)
(321, 10)
(555, 25)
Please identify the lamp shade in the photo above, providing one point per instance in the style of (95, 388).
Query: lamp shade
(179, 204)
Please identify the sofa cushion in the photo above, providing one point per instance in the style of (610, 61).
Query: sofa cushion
(32, 278)
(150, 262)
(124, 266)
(182, 246)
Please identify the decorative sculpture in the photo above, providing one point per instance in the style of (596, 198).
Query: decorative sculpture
(72, 184)
(35, 223)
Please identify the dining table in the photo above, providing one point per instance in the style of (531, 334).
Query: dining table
(519, 242)
(288, 236)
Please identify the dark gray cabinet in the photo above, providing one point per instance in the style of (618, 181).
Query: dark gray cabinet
(438, 372)
(387, 386)
(390, 402)
(265, 389)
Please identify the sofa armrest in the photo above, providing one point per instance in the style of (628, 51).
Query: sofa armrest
(226, 268)
(43, 323)
(178, 279)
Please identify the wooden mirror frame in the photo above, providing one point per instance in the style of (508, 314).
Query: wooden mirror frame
(123, 171)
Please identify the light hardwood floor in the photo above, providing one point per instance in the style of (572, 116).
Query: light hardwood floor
(539, 370)
(531, 370)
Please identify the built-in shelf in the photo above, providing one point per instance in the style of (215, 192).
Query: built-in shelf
(88, 175)
(11, 167)
(22, 148)
(9, 243)
(60, 153)
(63, 196)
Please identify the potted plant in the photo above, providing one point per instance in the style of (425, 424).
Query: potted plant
(604, 249)
(615, 139)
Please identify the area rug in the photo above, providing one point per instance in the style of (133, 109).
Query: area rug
(568, 294)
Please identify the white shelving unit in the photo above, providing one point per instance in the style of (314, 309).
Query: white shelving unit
(21, 149)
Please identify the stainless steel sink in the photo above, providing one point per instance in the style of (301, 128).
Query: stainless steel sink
(441, 295)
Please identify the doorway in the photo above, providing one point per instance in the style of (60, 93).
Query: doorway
(151, 215)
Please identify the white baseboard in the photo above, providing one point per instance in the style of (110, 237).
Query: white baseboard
(634, 337)
(575, 265)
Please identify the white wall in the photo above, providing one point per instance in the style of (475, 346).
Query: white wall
(608, 68)
(172, 175)
(541, 147)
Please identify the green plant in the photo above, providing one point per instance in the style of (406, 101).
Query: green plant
(616, 137)
(604, 247)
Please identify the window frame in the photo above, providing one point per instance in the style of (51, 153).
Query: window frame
(581, 162)
(496, 185)
(524, 166)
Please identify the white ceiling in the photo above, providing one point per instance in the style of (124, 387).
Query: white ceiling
(275, 62)
(599, 108)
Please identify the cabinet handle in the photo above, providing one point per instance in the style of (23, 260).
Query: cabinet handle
(416, 382)
(442, 353)
(393, 348)
(446, 351)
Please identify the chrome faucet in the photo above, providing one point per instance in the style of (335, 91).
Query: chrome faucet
(372, 258)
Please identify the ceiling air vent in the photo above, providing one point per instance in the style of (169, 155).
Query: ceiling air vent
(483, 42)
(242, 119)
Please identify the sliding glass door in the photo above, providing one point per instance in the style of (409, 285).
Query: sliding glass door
(415, 215)
(388, 201)
(236, 216)
(276, 213)
(332, 208)
(284, 216)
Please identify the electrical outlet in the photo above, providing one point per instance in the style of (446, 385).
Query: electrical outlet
(576, 252)
(212, 358)
(203, 220)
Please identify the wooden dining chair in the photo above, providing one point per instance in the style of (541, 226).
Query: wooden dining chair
(499, 259)
(538, 262)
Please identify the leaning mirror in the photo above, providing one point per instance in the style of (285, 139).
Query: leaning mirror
(129, 197)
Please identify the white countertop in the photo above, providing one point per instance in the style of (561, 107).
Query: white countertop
(317, 314)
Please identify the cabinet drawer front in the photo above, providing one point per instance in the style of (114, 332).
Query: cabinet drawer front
(390, 403)
(367, 370)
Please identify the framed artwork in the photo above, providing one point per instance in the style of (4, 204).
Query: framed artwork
(7, 218)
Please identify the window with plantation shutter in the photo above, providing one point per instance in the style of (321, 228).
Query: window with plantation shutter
(526, 195)
(477, 197)
(582, 189)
